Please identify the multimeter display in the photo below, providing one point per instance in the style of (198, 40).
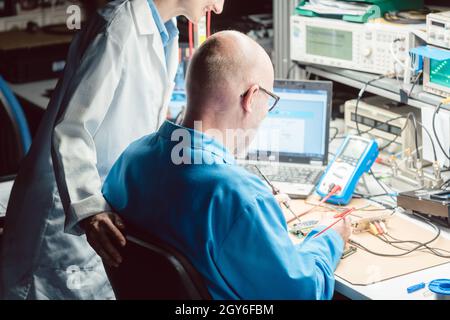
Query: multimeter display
(355, 157)
(353, 151)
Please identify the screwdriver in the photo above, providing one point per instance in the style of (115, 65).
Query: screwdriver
(276, 191)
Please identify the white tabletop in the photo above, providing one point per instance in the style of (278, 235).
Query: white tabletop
(34, 92)
(393, 289)
(5, 191)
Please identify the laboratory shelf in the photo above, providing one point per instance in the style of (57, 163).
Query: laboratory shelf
(388, 88)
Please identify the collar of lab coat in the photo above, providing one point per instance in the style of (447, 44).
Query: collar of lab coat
(147, 26)
(199, 141)
(143, 17)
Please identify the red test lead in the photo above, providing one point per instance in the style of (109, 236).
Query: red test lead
(342, 216)
(335, 189)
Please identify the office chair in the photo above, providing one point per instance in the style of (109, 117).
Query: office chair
(15, 137)
(153, 270)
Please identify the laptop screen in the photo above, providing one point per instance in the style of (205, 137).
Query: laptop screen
(297, 129)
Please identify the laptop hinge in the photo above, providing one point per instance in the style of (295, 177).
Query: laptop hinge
(316, 163)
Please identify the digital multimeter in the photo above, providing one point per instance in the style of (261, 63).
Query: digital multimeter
(354, 157)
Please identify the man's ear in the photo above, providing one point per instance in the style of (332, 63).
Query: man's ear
(249, 97)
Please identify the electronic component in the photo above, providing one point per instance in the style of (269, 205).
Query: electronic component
(348, 252)
(373, 229)
(383, 226)
(385, 119)
(436, 73)
(363, 224)
(408, 16)
(354, 157)
(387, 122)
(378, 227)
(442, 196)
(426, 202)
(302, 229)
(416, 287)
(371, 47)
(440, 123)
(435, 65)
(438, 29)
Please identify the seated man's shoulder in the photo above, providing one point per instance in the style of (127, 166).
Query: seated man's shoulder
(236, 181)
(140, 149)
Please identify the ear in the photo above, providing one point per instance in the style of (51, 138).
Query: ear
(249, 97)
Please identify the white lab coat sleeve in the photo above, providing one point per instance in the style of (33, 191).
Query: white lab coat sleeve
(258, 260)
(83, 109)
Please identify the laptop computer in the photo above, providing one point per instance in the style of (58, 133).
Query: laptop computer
(291, 146)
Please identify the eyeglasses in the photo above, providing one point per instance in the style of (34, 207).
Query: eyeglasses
(273, 98)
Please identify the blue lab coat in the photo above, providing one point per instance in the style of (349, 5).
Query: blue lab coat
(223, 218)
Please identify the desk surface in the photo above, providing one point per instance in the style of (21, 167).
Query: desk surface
(34, 92)
(393, 289)
(5, 191)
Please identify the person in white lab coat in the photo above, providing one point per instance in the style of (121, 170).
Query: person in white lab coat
(115, 89)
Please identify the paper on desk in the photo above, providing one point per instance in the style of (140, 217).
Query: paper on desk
(340, 4)
(336, 7)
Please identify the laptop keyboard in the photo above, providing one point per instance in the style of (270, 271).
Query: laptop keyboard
(280, 173)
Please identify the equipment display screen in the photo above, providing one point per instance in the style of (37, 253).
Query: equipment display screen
(354, 149)
(440, 72)
(439, 24)
(330, 43)
(296, 128)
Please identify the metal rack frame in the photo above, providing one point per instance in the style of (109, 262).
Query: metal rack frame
(388, 88)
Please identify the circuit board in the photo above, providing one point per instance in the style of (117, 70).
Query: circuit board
(301, 230)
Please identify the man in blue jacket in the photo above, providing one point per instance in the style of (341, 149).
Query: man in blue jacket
(183, 186)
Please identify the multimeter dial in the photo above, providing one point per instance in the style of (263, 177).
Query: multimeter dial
(355, 157)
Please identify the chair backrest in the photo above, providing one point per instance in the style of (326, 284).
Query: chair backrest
(15, 133)
(153, 270)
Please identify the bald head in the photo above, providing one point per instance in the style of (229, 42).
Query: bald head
(223, 68)
(223, 88)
